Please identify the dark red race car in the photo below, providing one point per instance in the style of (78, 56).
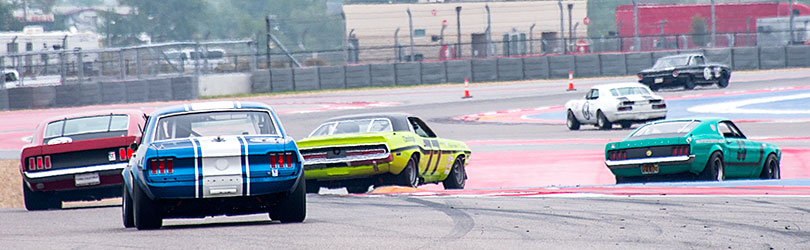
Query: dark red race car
(78, 157)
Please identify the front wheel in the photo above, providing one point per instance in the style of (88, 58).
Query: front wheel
(714, 170)
(572, 123)
(408, 177)
(293, 207)
(771, 169)
(602, 121)
(457, 177)
(722, 82)
(147, 212)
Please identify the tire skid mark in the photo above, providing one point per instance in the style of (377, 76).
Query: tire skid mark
(463, 223)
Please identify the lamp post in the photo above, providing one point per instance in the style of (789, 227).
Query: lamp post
(458, 31)
(562, 27)
(570, 25)
(531, 39)
(410, 28)
(635, 25)
(489, 30)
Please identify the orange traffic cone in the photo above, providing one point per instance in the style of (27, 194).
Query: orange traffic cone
(571, 81)
(466, 89)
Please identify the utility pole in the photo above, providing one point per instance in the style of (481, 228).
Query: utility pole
(267, 50)
(531, 39)
(397, 52)
(748, 31)
(635, 25)
(410, 27)
(714, 21)
(562, 27)
(570, 25)
(458, 31)
(791, 22)
(489, 31)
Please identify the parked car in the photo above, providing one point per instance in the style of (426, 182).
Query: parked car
(687, 70)
(706, 148)
(215, 158)
(78, 157)
(381, 149)
(622, 103)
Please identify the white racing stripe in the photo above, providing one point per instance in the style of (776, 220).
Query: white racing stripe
(247, 164)
(221, 166)
(196, 170)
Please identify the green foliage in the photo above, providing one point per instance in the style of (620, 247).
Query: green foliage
(7, 21)
(698, 32)
(167, 20)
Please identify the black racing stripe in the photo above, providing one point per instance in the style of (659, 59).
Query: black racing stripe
(243, 158)
(406, 148)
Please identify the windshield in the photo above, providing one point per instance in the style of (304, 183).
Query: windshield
(667, 62)
(86, 125)
(629, 91)
(353, 126)
(215, 124)
(664, 129)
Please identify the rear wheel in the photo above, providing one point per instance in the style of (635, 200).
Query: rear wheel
(771, 169)
(573, 123)
(147, 214)
(408, 177)
(714, 170)
(626, 124)
(293, 207)
(690, 83)
(126, 209)
(722, 82)
(313, 188)
(35, 201)
(602, 121)
(357, 189)
(457, 177)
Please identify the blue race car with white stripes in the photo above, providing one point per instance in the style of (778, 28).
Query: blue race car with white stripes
(215, 158)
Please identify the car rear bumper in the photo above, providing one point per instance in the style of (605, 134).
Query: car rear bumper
(66, 179)
(256, 186)
(646, 115)
(635, 163)
(73, 171)
(345, 172)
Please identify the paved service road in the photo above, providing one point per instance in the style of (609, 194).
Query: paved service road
(532, 184)
(403, 222)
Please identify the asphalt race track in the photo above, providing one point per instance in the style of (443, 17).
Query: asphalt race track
(532, 182)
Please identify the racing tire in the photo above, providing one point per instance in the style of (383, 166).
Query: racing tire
(357, 189)
(722, 82)
(602, 121)
(572, 123)
(622, 179)
(126, 209)
(653, 87)
(626, 125)
(409, 176)
(689, 84)
(147, 213)
(37, 201)
(771, 169)
(457, 177)
(293, 207)
(714, 170)
(313, 189)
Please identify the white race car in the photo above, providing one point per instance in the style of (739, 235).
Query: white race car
(622, 103)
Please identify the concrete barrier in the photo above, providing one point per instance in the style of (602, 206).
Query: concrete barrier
(408, 73)
(160, 90)
(21, 98)
(137, 91)
(587, 65)
(44, 97)
(433, 72)
(638, 61)
(332, 77)
(535, 67)
(718, 55)
(184, 88)
(458, 70)
(798, 56)
(358, 76)
(484, 70)
(510, 69)
(306, 79)
(281, 80)
(745, 58)
(771, 57)
(559, 66)
(224, 84)
(382, 75)
(90, 94)
(69, 95)
(3, 99)
(613, 64)
(113, 92)
(260, 81)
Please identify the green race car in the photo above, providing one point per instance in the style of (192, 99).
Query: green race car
(709, 149)
(380, 149)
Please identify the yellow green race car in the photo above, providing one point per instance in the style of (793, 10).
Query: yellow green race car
(380, 149)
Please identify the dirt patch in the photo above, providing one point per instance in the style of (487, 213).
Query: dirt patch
(10, 184)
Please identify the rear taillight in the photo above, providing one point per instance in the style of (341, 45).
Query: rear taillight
(129, 153)
(659, 106)
(680, 150)
(617, 155)
(122, 154)
(47, 162)
(625, 108)
(32, 165)
(289, 160)
(273, 160)
(281, 160)
(39, 162)
(161, 166)
(640, 76)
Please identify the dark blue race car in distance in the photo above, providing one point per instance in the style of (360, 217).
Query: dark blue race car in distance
(215, 158)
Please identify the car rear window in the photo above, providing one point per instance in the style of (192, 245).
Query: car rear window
(353, 127)
(629, 91)
(215, 124)
(671, 62)
(80, 127)
(664, 129)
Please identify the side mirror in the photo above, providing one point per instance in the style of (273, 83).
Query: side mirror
(133, 146)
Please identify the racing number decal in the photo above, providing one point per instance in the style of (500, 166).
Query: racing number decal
(741, 151)
(586, 111)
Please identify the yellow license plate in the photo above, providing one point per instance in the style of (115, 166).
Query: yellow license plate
(649, 169)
